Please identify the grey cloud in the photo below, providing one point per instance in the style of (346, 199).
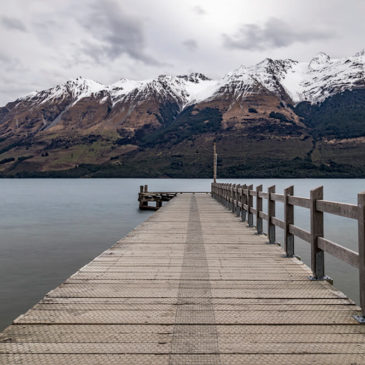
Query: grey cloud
(199, 10)
(273, 34)
(190, 44)
(11, 64)
(12, 23)
(114, 34)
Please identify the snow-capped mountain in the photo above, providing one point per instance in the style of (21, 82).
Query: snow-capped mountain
(83, 121)
(312, 81)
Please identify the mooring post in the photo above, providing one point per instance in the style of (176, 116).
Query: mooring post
(317, 255)
(140, 197)
(146, 188)
(250, 205)
(271, 213)
(289, 219)
(361, 238)
(258, 209)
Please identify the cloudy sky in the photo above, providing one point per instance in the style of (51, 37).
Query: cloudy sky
(46, 42)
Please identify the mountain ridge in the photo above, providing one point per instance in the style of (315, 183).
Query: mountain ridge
(277, 102)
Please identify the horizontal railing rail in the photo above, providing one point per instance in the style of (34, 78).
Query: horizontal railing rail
(240, 199)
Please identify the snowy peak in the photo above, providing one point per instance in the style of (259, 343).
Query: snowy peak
(312, 81)
(319, 61)
(360, 53)
(182, 89)
(262, 77)
(75, 90)
(324, 77)
(195, 77)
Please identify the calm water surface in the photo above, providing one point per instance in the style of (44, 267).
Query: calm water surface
(49, 228)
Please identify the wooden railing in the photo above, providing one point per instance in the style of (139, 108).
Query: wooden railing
(240, 199)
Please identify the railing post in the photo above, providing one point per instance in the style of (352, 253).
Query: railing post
(289, 219)
(238, 196)
(227, 194)
(243, 201)
(224, 196)
(317, 255)
(249, 205)
(271, 213)
(232, 197)
(361, 237)
(258, 209)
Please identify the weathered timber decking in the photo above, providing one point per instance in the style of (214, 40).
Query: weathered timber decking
(192, 285)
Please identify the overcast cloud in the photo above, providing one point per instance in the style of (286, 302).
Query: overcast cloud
(275, 33)
(43, 43)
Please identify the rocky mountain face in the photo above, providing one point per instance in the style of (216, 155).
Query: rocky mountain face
(277, 118)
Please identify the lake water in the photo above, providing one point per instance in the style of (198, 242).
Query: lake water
(49, 228)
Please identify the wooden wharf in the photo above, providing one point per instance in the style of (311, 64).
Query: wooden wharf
(145, 197)
(194, 284)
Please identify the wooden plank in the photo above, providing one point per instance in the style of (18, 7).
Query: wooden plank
(299, 232)
(298, 201)
(263, 215)
(342, 253)
(263, 195)
(278, 222)
(164, 359)
(277, 197)
(341, 209)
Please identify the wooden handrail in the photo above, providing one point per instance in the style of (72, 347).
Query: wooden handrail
(341, 209)
(342, 253)
(277, 197)
(301, 233)
(240, 200)
(299, 202)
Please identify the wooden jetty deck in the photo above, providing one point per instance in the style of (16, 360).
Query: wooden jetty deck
(191, 285)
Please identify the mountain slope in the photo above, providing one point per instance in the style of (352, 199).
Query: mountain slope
(276, 118)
